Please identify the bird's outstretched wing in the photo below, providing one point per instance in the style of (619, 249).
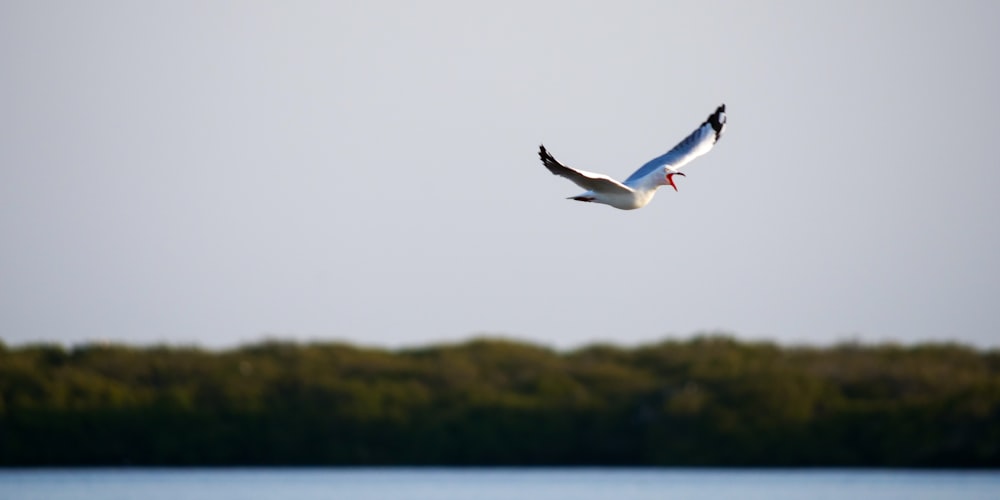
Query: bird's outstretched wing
(587, 180)
(698, 143)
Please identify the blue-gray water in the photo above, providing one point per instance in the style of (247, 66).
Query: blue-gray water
(519, 484)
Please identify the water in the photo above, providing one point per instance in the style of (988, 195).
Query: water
(489, 484)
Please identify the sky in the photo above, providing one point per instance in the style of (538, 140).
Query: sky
(216, 173)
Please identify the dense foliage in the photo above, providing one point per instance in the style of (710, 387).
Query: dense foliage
(706, 401)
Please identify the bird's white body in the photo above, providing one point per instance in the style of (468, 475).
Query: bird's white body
(638, 198)
(617, 194)
(640, 187)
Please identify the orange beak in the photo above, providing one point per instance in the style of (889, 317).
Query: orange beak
(670, 179)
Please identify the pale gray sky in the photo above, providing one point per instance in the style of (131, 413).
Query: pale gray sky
(216, 172)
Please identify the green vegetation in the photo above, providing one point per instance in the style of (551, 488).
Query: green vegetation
(706, 401)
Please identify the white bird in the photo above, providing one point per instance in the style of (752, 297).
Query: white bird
(639, 188)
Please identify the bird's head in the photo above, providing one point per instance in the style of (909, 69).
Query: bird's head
(668, 179)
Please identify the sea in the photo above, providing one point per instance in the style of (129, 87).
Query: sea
(495, 484)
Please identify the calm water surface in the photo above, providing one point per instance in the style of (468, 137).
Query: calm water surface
(519, 484)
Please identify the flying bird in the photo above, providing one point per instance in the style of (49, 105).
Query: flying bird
(639, 188)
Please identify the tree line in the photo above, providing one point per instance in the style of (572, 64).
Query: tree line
(708, 401)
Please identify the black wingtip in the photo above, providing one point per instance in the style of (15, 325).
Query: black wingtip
(544, 155)
(548, 160)
(718, 121)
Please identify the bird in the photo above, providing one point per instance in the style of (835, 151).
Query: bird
(638, 189)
